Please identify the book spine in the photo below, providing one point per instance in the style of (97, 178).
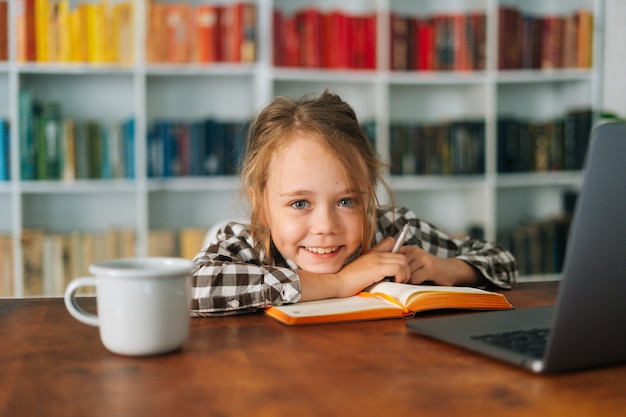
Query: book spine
(248, 35)
(5, 159)
(4, 41)
(68, 160)
(128, 134)
(27, 142)
(206, 33)
(309, 35)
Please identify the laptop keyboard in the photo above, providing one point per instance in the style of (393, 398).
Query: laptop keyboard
(530, 342)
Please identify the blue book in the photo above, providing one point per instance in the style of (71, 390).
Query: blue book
(128, 139)
(166, 137)
(154, 153)
(106, 167)
(215, 147)
(196, 148)
(5, 166)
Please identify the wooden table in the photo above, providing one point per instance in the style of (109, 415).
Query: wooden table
(52, 365)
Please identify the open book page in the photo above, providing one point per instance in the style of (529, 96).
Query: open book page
(333, 306)
(405, 292)
(386, 300)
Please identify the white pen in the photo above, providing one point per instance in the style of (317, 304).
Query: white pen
(401, 238)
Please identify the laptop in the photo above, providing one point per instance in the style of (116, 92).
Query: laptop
(586, 328)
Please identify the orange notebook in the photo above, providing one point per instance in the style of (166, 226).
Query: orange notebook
(388, 300)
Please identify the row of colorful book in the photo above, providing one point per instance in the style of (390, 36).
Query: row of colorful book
(539, 245)
(552, 41)
(549, 145)
(67, 31)
(447, 148)
(445, 41)
(184, 32)
(199, 148)
(313, 38)
(52, 259)
(206, 147)
(53, 147)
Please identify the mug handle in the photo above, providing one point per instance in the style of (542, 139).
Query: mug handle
(72, 305)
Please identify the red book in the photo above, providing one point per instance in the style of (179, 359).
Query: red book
(339, 38)
(291, 46)
(206, 33)
(308, 22)
(370, 41)
(325, 42)
(479, 47)
(360, 42)
(4, 13)
(509, 42)
(278, 38)
(460, 47)
(552, 39)
(425, 45)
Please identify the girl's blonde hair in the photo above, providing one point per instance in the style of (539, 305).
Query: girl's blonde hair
(333, 123)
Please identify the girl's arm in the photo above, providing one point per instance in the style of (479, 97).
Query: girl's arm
(229, 277)
(483, 262)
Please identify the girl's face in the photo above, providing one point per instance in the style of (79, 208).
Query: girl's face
(314, 217)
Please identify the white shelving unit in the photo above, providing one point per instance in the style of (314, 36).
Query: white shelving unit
(229, 91)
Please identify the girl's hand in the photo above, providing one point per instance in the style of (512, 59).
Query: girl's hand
(425, 267)
(370, 267)
(373, 266)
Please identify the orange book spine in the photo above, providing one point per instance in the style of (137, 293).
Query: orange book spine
(206, 33)
(178, 28)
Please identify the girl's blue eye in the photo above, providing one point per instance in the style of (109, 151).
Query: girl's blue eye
(300, 204)
(346, 202)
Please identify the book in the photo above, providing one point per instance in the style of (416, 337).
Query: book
(178, 32)
(4, 38)
(206, 33)
(385, 300)
(6, 265)
(5, 167)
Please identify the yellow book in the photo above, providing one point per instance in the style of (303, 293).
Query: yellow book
(128, 243)
(96, 32)
(162, 242)
(42, 17)
(64, 44)
(78, 33)
(6, 266)
(123, 33)
(68, 159)
(388, 300)
(32, 253)
(191, 240)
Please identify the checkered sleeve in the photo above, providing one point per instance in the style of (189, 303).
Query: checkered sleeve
(493, 261)
(229, 277)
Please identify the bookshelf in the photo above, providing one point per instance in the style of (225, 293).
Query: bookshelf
(147, 92)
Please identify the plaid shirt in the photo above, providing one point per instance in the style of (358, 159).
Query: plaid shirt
(233, 275)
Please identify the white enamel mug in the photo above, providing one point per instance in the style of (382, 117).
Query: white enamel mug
(142, 304)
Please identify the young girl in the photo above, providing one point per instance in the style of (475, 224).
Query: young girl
(317, 229)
